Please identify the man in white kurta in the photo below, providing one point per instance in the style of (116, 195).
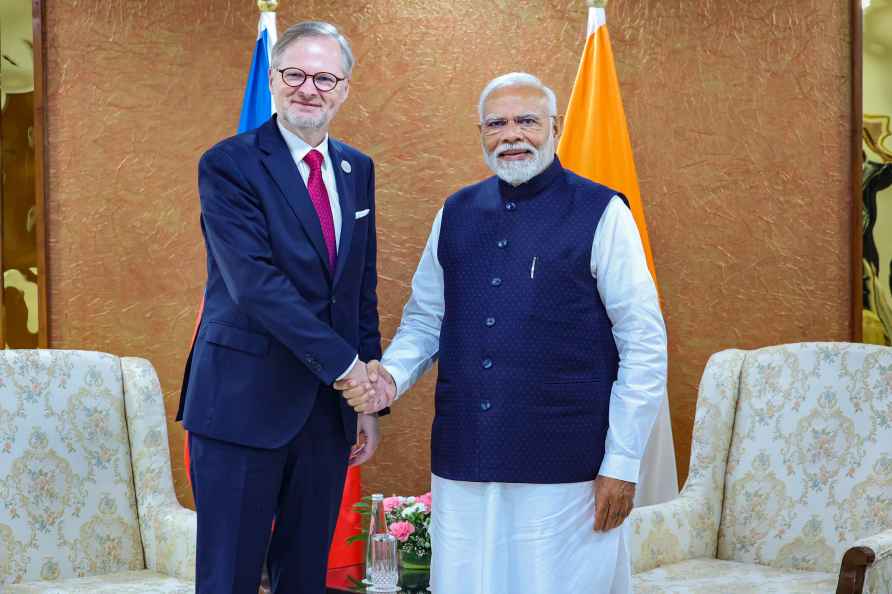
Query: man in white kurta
(504, 537)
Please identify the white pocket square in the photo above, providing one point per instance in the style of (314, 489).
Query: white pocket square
(362, 213)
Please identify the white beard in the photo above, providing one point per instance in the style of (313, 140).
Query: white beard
(520, 172)
(306, 122)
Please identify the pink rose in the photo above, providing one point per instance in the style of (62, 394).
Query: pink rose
(402, 530)
(391, 503)
(426, 499)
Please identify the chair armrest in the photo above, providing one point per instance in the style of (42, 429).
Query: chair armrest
(173, 530)
(168, 530)
(674, 531)
(687, 527)
(868, 562)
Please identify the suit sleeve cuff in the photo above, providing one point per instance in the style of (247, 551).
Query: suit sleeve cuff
(349, 369)
(620, 467)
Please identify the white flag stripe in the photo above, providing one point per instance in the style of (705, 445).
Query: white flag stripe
(657, 478)
(267, 23)
(596, 18)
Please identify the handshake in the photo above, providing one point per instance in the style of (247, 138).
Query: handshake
(368, 387)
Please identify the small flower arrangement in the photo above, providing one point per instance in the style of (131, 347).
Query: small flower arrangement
(408, 520)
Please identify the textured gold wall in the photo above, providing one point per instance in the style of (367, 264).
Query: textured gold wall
(738, 115)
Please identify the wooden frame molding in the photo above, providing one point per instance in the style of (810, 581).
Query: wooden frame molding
(857, 249)
(38, 12)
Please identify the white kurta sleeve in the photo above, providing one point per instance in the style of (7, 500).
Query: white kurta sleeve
(628, 292)
(416, 344)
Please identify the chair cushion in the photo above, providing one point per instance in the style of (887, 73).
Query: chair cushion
(128, 582)
(708, 576)
(67, 503)
(810, 463)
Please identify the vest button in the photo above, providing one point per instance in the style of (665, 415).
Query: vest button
(510, 206)
(490, 322)
(496, 282)
(487, 363)
(485, 405)
(502, 243)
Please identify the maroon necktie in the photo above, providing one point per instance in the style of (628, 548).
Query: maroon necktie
(319, 196)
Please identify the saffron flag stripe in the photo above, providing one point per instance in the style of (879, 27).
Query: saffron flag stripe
(595, 144)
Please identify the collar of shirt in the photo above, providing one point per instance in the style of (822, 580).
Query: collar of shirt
(299, 148)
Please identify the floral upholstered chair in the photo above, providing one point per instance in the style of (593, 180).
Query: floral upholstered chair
(790, 483)
(86, 494)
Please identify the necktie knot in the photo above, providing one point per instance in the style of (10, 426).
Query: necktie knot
(314, 159)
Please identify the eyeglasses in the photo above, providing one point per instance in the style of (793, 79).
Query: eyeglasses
(527, 123)
(323, 81)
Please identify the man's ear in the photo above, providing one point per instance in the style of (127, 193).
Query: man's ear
(558, 126)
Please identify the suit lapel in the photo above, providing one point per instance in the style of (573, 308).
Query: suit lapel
(348, 204)
(281, 167)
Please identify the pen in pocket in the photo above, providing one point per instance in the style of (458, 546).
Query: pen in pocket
(533, 267)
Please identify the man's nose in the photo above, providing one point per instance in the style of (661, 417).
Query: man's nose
(511, 132)
(307, 88)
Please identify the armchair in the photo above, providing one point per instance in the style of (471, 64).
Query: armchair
(86, 494)
(790, 478)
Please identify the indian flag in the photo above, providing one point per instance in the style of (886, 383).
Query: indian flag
(595, 144)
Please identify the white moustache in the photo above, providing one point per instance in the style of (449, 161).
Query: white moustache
(517, 146)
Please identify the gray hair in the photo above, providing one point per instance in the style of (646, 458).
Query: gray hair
(513, 79)
(314, 29)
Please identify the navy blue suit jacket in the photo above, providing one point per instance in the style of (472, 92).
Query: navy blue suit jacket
(277, 323)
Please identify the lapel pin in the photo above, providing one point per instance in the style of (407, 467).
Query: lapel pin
(346, 167)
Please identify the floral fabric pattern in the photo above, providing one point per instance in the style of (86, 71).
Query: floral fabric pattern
(710, 576)
(806, 430)
(130, 582)
(687, 526)
(68, 506)
(808, 471)
(168, 529)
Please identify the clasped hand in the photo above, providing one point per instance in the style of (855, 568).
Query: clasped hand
(368, 388)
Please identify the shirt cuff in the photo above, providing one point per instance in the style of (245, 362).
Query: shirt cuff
(620, 467)
(399, 379)
(349, 369)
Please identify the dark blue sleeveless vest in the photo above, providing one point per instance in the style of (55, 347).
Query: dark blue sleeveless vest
(527, 356)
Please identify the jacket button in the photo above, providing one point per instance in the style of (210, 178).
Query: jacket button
(485, 405)
(496, 282)
(510, 206)
(490, 322)
(334, 300)
(502, 243)
(487, 363)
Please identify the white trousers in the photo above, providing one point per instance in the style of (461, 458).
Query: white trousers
(509, 538)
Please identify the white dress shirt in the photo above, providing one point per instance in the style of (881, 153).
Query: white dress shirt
(628, 292)
(299, 150)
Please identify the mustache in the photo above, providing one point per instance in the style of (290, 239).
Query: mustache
(515, 146)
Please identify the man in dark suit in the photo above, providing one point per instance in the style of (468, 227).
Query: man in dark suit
(288, 217)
